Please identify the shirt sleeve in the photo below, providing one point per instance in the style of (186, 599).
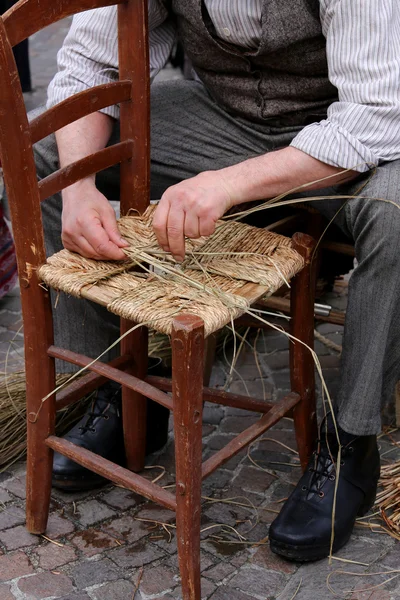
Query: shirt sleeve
(362, 129)
(89, 55)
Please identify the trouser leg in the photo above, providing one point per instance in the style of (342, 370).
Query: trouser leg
(371, 345)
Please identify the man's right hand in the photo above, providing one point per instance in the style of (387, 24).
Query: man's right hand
(89, 225)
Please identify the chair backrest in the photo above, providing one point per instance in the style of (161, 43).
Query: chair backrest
(17, 136)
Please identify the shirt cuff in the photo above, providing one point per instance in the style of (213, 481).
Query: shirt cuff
(333, 145)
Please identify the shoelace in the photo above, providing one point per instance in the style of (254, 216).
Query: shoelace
(92, 414)
(323, 456)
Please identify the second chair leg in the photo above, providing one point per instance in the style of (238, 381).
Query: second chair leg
(187, 378)
(134, 405)
(301, 360)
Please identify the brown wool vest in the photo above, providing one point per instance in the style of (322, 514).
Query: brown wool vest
(283, 82)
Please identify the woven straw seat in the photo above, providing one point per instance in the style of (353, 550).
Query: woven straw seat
(221, 277)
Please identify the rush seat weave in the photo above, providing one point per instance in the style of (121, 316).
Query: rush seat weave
(220, 278)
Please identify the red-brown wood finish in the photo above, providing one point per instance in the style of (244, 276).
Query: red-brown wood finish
(134, 404)
(113, 472)
(84, 167)
(135, 114)
(28, 16)
(301, 361)
(78, 106)
(20, 178)
(187, 377)
(112, 373)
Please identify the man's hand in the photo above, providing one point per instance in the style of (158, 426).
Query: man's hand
(191, 208)
(89, 226)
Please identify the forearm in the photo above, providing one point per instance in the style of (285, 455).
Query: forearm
(80, 139)
(279, 172)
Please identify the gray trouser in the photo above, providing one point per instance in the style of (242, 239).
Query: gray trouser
(191, 134)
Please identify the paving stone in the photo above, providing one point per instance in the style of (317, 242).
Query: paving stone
(237, 424)
(127, 529)
(117, 590)
(156, 581)
(253, 479)
(121, 499)
(17, 486)
(92, 572)
(135, 555)
(4, 496)
(258, 582)
(5, 593)
(58, 526)
(220, 572)
(268, 560)
(78, 596)
(45, 585)
(228, 593)
(52, 556)
(14, 565)
(93, 541)
(212, 414)
(11, 516)
(92, 512)
(18, 537)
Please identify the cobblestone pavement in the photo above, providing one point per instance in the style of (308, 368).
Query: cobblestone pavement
(105, 545)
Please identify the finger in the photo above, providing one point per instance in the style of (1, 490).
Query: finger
(176, 240)
(81, 247)
(160, 220)
(109, 223)
(192, 226)
(98, 238)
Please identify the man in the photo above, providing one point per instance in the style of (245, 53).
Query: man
(287, 92)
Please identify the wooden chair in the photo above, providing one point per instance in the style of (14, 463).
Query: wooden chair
(25, 194)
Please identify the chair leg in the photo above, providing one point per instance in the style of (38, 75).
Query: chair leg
(134, 405)
(209, 356)
(40, 381)
(187, 379)
(301, 361)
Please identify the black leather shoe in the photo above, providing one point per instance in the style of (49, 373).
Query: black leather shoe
(302, 531)
(100, 430)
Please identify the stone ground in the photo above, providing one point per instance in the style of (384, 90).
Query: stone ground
(106, 544)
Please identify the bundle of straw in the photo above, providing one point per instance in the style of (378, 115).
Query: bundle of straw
(388, 500)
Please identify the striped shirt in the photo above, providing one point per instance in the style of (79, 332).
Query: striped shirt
(363, 40)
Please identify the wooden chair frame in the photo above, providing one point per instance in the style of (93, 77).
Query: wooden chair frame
(25, 194)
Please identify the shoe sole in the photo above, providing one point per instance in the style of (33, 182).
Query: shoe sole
(305, 553)
(81, 485)
(312, 553)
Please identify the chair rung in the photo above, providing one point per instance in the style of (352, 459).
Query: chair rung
(103, 159)
(87, 384)
(250, 434)
(218, 396)
(78, 106)
(130, 381)
(113, 472)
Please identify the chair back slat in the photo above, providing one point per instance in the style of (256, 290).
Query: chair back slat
(134, 64)
(84, 168)
(29, 16)
(78, 106)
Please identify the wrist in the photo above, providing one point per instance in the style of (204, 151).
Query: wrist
(74, 192)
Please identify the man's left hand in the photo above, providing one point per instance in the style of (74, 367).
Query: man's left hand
(191, 208)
